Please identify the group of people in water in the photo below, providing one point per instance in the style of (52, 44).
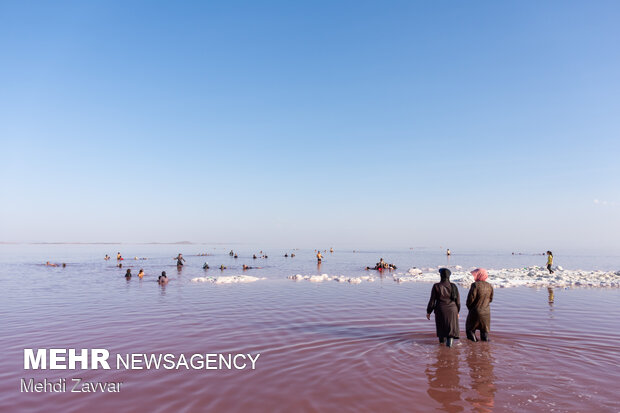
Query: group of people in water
(445, 302)
(382, 265)
(162, 279)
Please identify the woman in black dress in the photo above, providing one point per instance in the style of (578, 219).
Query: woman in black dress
(446, 304)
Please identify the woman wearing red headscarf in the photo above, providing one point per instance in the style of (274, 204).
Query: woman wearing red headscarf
(478, 300)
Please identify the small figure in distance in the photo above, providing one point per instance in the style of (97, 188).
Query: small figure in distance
(448, 253)
(285, 255)
(64, 265)
(222, 267)
(549, 261)
(50, 264)
(141, 273)
(118, 256)
(119, 265)
(128, 273)
(235, 256)
(205, 266)
(231, 253)
(162, 279)
(292, 254)
(180, 260)
(331, 249)
(107, 257)
(254, 256)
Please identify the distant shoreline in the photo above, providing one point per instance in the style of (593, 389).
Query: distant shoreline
(120, 243)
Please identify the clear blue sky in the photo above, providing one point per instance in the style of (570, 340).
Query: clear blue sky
(461, 124)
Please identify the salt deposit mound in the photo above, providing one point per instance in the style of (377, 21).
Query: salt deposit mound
(514, 277)
(325, 277)
(229, 279)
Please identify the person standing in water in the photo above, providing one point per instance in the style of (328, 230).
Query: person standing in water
(180, 260)
(549, 261)
(162, 279)
(478, 300)
(319, 257)
(128, 273)
(118, 256)
(446, 304)
(141, 273)
(448, 253)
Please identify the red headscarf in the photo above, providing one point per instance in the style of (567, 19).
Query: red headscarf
(480, 274)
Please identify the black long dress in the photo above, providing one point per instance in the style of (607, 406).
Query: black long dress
(446, 306)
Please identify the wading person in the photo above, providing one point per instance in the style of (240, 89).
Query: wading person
(478, 300)
(446, 304)
(549, 261)
(180, 260)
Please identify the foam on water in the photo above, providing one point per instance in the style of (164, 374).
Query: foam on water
(527, 276)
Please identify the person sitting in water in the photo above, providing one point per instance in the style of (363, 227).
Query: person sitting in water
(180, 260)
(205, 266)
(128, 273)
(107, 257)
(162, 279)
(141, 273)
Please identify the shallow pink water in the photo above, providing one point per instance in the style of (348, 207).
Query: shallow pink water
(326, 347)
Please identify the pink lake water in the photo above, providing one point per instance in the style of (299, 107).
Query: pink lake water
(324, 346)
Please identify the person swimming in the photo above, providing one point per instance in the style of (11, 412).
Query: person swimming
(128, 273)
(180, 260)
(162, 279)
(141, 273)
(205, 266)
